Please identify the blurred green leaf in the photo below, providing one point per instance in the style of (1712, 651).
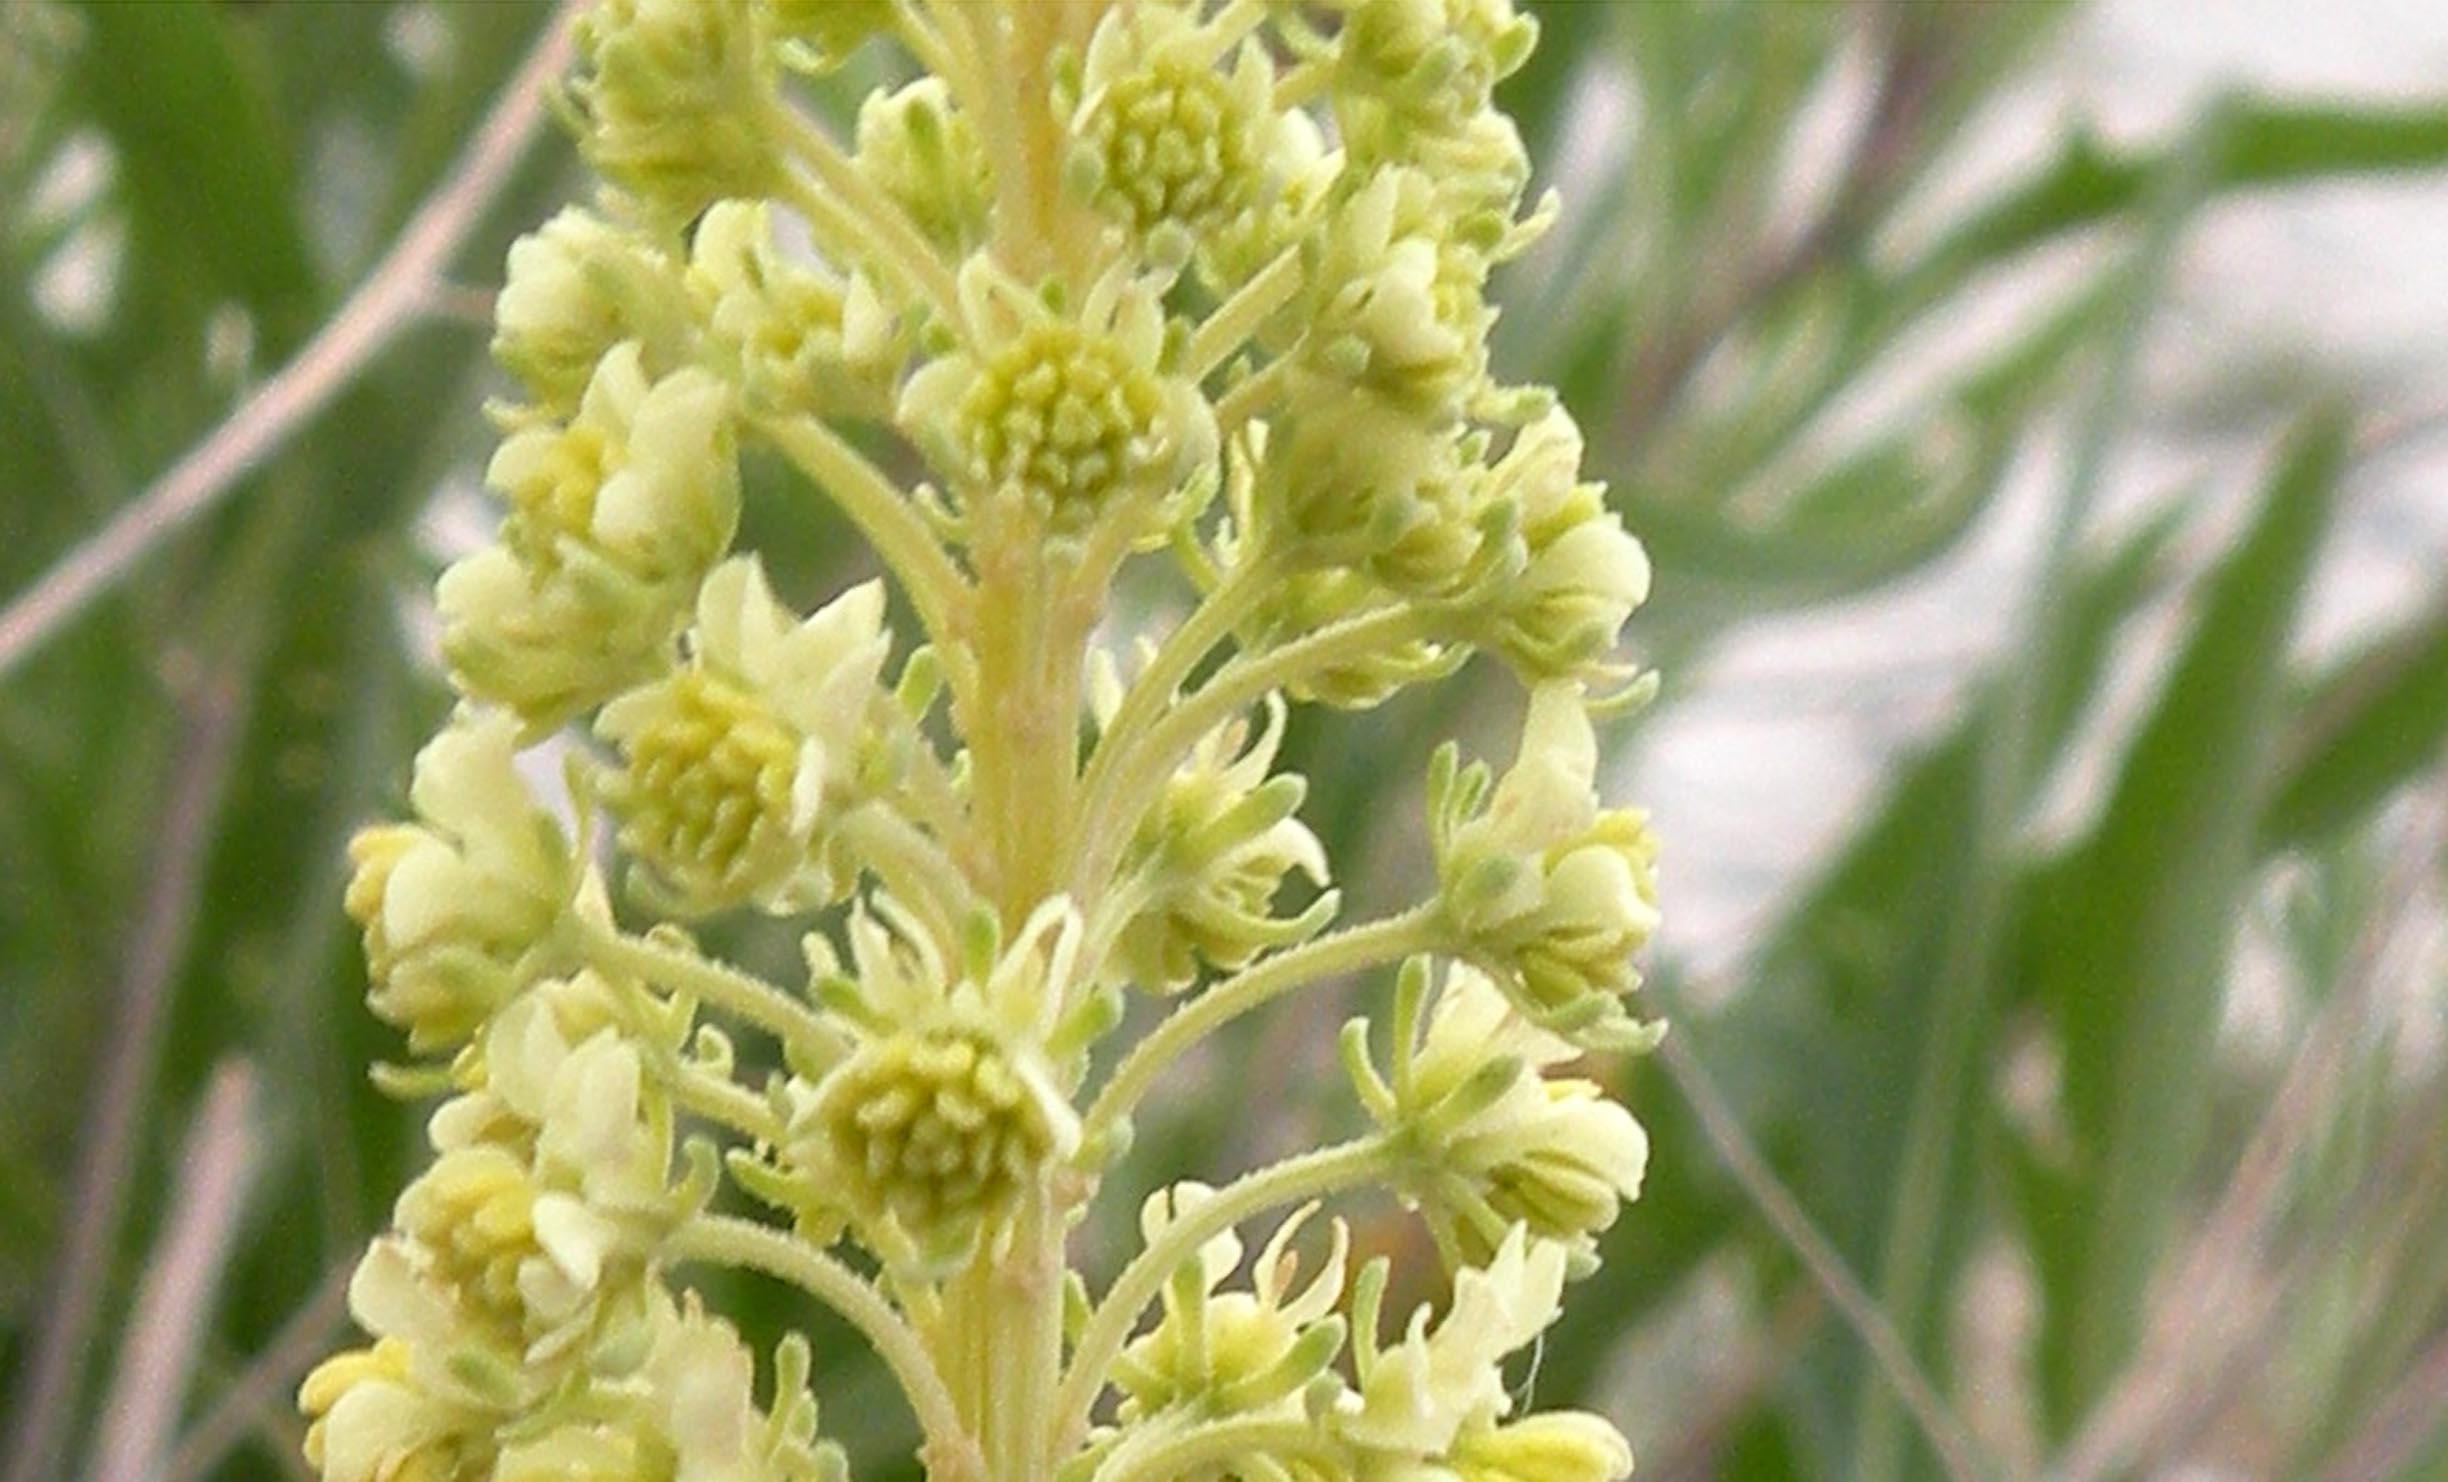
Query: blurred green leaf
(2140, 919)
(2370, 724)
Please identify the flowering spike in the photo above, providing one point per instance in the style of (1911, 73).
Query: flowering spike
(1200, 285)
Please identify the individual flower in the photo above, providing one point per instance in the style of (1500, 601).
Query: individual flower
(1495, 1140)
(951, 1109)
(1070, 415)
(425, 1399)
(1243, 1351)
(1397, 299)
(731, 763)
(1563, 613)
(550, 644)
(1165, 139)
(1211, 857)
(923, 152)
(796, 337)
(1554, 894)
(1431, 62)
(644, 475)
(456, 905)
(673, 101)
(1355, 480)
(576, 287)
(614, 517)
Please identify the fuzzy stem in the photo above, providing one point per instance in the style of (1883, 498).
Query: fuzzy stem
(723, 1240)
(1113, 809)
(883, 514)
(724, 1103)
(742, 995)
(1237, 318)
(1208, 625)
(893, 242)
(1191, 1452)
(1374, 944)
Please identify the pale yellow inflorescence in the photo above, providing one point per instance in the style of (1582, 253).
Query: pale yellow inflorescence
(1199, 284)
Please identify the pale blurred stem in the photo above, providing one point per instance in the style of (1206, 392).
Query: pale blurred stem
(1226, 330)
(910, 862)
(1357, 949)
(716, 985)
(1028, 634)
(723, 1240)
(1114, 809)
(707, 1096)
(393, 296)
(1209, 624)
(1313, 1175)
(883, 514)
(1000, 1342)
(1194, 1451)
(861, 221)
(1257, 393)
(934, 52)
(1032, 226)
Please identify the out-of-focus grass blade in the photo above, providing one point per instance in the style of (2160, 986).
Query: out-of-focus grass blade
(2371, 723)
(2139, 927)
(2266, 142)
(1878, 511)
(206, 171)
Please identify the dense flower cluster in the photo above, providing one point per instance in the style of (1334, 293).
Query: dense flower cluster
(1200, 284)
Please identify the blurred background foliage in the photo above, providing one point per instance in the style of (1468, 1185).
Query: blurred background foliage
(2060, 1094)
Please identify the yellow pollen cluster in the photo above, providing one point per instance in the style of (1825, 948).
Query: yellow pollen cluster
(1064, 417)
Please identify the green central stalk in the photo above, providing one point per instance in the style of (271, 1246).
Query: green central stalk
(1002, 1349)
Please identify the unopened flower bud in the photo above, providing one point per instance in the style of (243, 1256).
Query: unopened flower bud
(924, 153)
(577, 286)
(1563, 613)
(1561, 894)
(674, 99)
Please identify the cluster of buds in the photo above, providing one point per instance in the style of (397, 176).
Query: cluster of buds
(1202, 285)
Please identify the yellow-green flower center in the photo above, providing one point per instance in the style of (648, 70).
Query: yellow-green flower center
(1173, 149)
(709, 798)
(1064, 417)
(938, 1129)
(473, 1216)
(554, 498)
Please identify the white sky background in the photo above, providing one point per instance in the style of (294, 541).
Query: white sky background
(1770, 754)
